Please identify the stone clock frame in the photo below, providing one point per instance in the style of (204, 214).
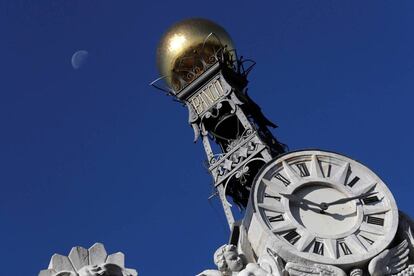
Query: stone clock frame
(262, 238)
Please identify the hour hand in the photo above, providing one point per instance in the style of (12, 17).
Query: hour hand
(345, 200)
(299, 200)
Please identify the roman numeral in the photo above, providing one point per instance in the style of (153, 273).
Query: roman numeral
(283, 227)
(318, 248)
(370, 199)
(292, 237)
(303, 169)
(305, 241)
(371, 229)
(367, 239)
(341, 175)
(315, 167)
(375, 220)
(271, 196)
(275, 218)
(374, 209)
(273, 187)
(353, 181)
(282, 179)
(276, 206)
(328, 173)
(345, 249)
(356, 244)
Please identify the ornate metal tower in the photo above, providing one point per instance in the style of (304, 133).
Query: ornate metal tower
(309, 212)
(202, 70)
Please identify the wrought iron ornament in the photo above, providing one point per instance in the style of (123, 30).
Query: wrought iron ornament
(211, 80)
(305, 212)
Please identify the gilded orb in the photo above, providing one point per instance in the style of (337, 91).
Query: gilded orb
(187, 47)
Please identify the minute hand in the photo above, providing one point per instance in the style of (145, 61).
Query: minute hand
(345, 200)
(299, 200)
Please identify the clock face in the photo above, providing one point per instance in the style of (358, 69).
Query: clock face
(324, 207)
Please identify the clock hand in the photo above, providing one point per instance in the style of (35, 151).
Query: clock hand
(344, 200)
(299, 200)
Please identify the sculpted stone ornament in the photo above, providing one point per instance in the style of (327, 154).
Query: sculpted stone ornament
(230, 263)
(210, 272)
(228, 259)
(315, 206)
(253, 269)
(405, 231)
(88, 262)
(295, 269)
(356, 272)
(409, 271)
(272, 263)
(390, 261)
(268, 264)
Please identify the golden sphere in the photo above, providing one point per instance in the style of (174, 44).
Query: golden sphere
(186, 39)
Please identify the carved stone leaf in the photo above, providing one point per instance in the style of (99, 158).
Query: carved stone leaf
(92, 262)
(132, 272)
(210, 272)
(60, 263)
(97, 254)
(47, 272)
(116, 258)
(79, 257)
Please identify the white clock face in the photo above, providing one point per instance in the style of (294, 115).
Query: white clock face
(324, 207)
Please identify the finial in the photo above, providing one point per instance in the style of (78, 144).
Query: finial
(189, 48)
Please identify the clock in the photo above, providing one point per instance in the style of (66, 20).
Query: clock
(321, 207)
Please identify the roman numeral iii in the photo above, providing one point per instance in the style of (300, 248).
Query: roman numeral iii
(375, 220)
(371, 199)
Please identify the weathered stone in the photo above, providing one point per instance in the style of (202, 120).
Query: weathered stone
(132, 272)
(60, 263)
(116, 258)
(79, 257)
(47, 272)
(92, 262)
(97, 254)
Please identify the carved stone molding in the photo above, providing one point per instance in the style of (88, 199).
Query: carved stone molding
(88, 262)
(395, 261)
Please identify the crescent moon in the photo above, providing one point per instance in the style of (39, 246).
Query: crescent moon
(79, 58)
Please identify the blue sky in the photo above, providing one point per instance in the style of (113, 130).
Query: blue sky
(96, 154)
